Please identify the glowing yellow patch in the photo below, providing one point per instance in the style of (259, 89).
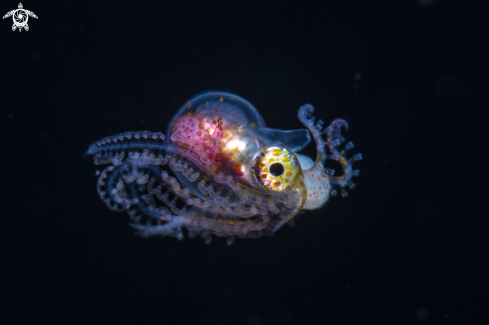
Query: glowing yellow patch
(234, 145)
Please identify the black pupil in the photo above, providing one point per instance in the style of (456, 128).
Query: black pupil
(276, 169)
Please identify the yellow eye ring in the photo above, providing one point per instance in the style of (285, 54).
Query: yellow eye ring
(275, 168)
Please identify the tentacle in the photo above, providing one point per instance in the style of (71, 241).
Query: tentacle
(125, 188)
(144, 146)
(305, 116)
(334, 141)
(173, 228)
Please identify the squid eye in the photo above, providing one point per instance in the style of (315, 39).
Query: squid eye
(275, 168)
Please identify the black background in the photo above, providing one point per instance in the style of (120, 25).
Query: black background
(409, 245)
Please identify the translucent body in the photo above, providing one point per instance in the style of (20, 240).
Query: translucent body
(220, 171)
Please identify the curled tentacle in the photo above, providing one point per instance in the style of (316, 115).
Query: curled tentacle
(334, 141)
(333, 134)
(305, 116)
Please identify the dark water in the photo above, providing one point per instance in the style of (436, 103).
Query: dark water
(408, 245)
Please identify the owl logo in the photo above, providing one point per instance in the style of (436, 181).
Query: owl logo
(20, 17)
